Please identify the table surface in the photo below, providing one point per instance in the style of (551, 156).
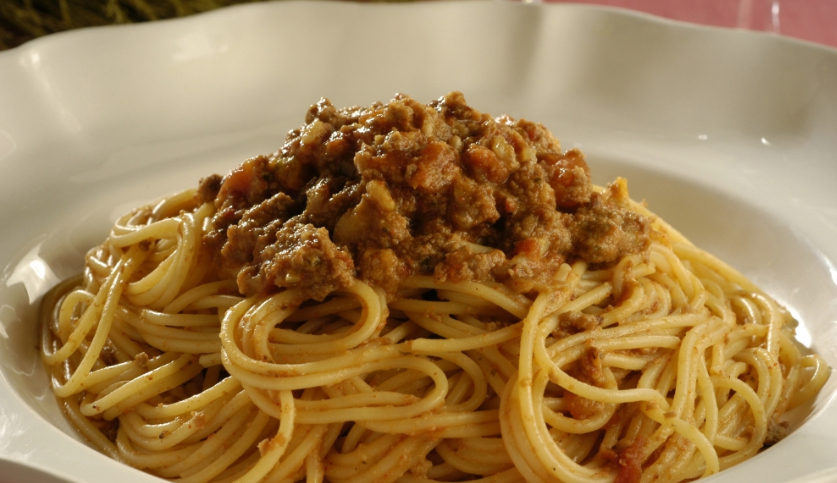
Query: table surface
(810, 20)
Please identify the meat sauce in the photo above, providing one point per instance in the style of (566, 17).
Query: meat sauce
(392, 190)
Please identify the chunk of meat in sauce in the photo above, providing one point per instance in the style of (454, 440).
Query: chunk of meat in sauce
(403, 188)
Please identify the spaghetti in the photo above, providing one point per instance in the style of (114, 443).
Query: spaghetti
(662, 364)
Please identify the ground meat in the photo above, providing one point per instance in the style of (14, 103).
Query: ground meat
(403, 188)
(776, 431)
(629, 462)
(587, 369)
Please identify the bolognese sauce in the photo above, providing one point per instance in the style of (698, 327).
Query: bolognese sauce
(405, 188)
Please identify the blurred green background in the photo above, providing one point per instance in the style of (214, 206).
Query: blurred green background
(22, 20)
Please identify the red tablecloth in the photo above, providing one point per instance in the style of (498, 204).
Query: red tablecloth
(812, 20)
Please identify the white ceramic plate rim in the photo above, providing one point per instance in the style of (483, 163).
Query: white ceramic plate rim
(86, 116)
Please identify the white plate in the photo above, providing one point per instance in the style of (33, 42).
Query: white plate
(730, 135)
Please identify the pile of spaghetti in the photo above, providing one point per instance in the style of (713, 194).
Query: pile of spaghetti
(417, 293)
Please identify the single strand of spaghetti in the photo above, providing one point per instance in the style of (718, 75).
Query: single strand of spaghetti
(347, 401)
(111, 292)
(171, 205)
(221, 302)
(193, 403)
(77, 299)
(479, 290)
(189, 346)
(314, 470)
(180, 320)
(273, 449)
(629, 362)
(810, 388)
(464, 343)
(431, 422)
(210, 360)
(197, 293)
(638, 342)
(160, 229)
